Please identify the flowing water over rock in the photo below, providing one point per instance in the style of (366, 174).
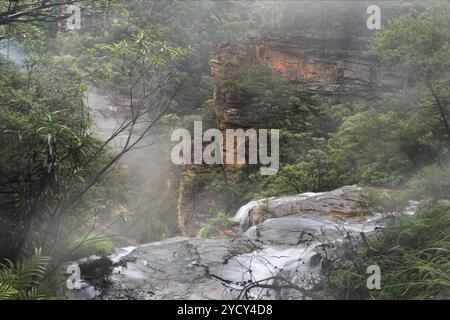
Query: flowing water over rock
(278, 255)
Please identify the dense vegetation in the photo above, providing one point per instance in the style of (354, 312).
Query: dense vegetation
(60, 181)
(382, 142)
(413, 253)
(61, 184)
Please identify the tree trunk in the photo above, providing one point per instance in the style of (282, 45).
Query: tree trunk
(442, 112)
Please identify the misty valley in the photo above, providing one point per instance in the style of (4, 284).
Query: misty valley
(224, 150)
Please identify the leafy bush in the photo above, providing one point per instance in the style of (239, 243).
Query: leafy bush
(215, 225)
(432, 181)
(313, 172)
(387, 201)
(413, 256)
(92, 245)
(20, 281)
(376, 174)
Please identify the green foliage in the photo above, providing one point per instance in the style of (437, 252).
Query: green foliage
(314, 172)
(383, 143)
(49, 153)
(86, 246)
(46, 148)
(217, 224)
(385, 200)
(52, 161)
(269, 100)
(417, 44)
(413, 256)
(21, 280)
(141, 57)
(368, 146)
(430, 182)
(199, 25)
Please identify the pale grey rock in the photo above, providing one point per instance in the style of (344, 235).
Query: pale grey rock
(293, 243)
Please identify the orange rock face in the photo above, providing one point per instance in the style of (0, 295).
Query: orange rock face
(330, 72)
(297, 68)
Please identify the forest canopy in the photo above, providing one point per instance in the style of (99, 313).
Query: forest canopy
(73, 182)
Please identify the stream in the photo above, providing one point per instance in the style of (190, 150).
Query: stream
(287, 247)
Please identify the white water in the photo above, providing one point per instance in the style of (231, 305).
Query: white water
(274, 258)
(243, 214)
(267, 262)
(120, 253)
(288, 248)
(412, 208)
(130, 271)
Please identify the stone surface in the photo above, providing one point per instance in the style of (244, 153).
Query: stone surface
(176, 268)
(289, 246)
(334, 72)
(321, 48)
(340, 203)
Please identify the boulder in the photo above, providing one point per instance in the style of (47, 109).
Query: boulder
(345, 202)
(288, 246)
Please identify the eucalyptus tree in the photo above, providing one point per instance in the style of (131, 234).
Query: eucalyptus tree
(51, 158)
(418, 45)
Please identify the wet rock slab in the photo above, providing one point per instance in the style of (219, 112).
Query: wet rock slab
(344, 203)
(289, 243)
(177, 268)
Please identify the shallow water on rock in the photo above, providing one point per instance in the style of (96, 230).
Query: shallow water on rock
(289, 245)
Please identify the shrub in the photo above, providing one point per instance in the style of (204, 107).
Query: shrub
(20, 281)
(413, 256)
(386, 201)
(376, 174)
(221, 222)
(91, 245)
(432, 182)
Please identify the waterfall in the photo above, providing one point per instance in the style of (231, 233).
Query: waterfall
(243, 214)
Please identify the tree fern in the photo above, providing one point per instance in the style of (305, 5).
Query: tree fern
(7, 291)
(20, 281)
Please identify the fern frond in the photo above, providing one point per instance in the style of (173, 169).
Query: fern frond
(7, 291)
(20, 280)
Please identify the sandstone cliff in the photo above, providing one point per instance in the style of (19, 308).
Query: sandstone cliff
(319, 46)
(333, 72)
(321, 49)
